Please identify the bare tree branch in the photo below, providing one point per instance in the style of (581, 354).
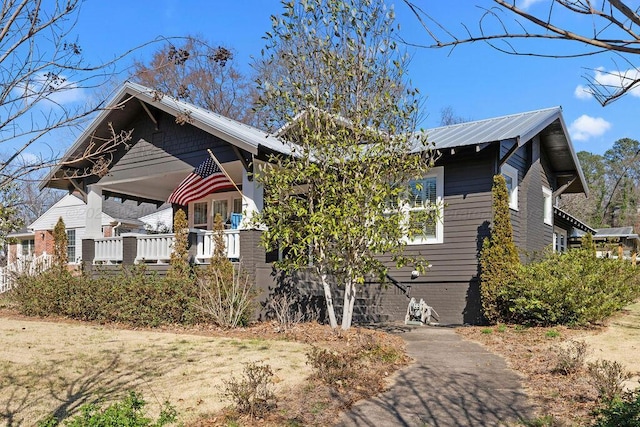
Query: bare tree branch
(614, 29)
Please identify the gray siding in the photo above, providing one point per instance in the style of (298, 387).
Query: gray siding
(172, 147)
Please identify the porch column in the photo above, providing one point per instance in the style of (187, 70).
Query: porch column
(252, 200)
(94, 213)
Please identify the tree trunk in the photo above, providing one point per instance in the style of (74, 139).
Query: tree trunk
(327, 296)
(349, 299)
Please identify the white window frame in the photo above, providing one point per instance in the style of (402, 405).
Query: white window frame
(509, 171)
(229, 197)
(72, 243)
(547, 214)
(560, 240)
(438, 173)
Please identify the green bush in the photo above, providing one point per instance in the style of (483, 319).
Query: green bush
(128, 412)
(572, 288)
(132, 296)
(621, 411)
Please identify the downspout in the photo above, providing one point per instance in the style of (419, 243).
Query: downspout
(115, 227)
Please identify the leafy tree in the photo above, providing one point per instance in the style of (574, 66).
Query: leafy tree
(613, 28)
(201, 74)
(499, 256)
(338, 202)
(588, 244)
(60, 243)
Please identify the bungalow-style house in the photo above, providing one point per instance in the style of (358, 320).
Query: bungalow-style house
(169, 141)
(117, 217)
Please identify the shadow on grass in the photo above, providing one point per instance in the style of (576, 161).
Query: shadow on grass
(30, 395)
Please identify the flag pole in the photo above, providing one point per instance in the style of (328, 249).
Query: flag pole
(224, 172)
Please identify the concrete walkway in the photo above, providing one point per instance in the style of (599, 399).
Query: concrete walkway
(453, 382)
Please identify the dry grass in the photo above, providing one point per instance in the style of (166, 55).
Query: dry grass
(569, 399)
(48, 367)
(55, 366)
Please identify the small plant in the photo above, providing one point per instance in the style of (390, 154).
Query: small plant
(283, 308)
(607, 378)
(552, 333)
(501, 328)
(332, 367)
(128, 412)
(252, 393)
(622, 411)
(227, 301)
(487, 331)
(570, 357)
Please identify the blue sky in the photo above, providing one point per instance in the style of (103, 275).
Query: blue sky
(475, 80)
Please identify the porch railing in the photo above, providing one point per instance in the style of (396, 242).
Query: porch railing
(206, 243)
(154, 247)
(157, 248)
(108, 250)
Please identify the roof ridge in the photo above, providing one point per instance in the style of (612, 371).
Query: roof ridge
(490, 119)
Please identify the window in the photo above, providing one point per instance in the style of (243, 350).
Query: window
(27, 247)
(237, 206)
(548, 205)
(71, 245)
(424, 208)
(511, 177)
(559, 239)
(200, 219)
(220, 207)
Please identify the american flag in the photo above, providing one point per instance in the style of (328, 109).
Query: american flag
(205, 179)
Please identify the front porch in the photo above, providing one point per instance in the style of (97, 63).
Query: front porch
(133, 248)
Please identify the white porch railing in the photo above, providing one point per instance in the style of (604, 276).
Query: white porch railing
(28, 265)
(108, 250)
(157, 248)
(154, 247)
(206, 244)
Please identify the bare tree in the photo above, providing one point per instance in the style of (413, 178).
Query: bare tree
(613, 27)
(201, 74)
(449, 117)
(44, 81)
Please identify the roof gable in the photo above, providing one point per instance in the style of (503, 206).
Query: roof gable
(71, 209)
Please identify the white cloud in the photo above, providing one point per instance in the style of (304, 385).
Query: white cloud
(60, 91)
(525, 4)
(583, 92)
(586, 127)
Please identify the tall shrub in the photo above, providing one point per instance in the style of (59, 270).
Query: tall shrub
(499, 259)
(60, 242)
(179, 261)
(588, 244)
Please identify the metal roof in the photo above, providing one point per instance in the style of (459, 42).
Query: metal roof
(523, 126)
(548, 123)
(616, 232)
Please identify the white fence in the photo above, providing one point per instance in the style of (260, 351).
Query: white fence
(23, 266)
(157, 248)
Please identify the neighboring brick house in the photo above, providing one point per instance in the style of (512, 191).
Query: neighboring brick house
(116, 218)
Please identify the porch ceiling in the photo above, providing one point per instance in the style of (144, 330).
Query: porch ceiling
(142, 183)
